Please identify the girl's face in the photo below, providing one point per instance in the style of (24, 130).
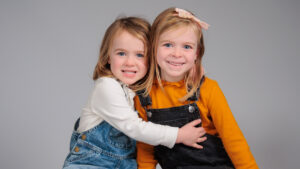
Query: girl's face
(126, 58)
(176, 53)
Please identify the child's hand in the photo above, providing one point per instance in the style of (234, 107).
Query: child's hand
(191, 135)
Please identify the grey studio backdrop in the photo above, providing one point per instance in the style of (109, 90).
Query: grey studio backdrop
(49, 49)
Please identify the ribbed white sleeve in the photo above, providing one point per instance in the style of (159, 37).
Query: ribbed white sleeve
(108, 102)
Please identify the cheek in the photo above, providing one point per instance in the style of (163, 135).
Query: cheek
(112, 61)
(193, 56)
(115, 63)
(144, 65)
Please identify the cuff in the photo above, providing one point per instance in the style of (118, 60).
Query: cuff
(171, 134)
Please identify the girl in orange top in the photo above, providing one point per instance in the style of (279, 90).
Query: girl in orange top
(180, 94)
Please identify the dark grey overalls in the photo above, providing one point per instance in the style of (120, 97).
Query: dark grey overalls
(212, 156)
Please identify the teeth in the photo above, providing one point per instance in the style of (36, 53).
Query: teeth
(175, 63)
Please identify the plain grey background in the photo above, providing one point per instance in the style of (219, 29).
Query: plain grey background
(48, 51)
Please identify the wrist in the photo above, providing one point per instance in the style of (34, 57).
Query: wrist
(178, 139)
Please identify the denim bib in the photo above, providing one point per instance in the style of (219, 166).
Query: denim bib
(101, 147)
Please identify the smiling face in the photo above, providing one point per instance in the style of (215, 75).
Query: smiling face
(176, 52)
(127, 58)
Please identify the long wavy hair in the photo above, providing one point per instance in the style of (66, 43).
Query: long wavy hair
(168, 20)
(137, 27)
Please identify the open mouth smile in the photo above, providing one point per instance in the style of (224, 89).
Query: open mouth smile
(129, 72)
(175, 63)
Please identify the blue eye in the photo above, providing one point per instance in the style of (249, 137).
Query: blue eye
(187, 47)
(168, 45)
(121, 53)
(139, 55)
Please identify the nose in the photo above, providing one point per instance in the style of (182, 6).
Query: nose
(177, 52)
(129, 61)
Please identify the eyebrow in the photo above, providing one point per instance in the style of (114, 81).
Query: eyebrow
(140, 51)
(121, 49)
(190, 43)
(164, 41)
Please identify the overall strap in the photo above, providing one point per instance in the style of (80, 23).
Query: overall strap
(76, 124)
(197, 93)
(145, 100)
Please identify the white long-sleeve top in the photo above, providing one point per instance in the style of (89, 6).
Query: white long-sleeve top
(113, 102)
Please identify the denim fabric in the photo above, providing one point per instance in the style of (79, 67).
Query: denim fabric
(102, 147)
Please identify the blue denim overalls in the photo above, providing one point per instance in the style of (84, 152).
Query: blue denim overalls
(102, 147)
(213, 154)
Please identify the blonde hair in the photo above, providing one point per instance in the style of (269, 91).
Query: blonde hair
(168, 20)
(139, 28)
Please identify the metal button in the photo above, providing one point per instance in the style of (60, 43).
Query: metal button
(76, 149)
(83, 137)
(191, 109)
(149, 114)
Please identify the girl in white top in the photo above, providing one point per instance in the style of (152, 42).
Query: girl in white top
(108, 127)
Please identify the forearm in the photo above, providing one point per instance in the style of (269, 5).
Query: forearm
(108, 102)
(147, 132)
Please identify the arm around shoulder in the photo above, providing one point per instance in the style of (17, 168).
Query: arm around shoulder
(109, 102)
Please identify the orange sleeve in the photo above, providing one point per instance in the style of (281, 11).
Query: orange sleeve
(145, 152)
(232, 137)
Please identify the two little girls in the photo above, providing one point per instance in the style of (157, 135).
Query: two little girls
(180, 94)
(172, 91)
(105, 134)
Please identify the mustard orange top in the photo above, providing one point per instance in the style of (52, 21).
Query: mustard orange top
(216, 117)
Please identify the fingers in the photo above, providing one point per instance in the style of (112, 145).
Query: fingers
(195, 122)
(201, 139)
(197, 146)
(201, 131)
